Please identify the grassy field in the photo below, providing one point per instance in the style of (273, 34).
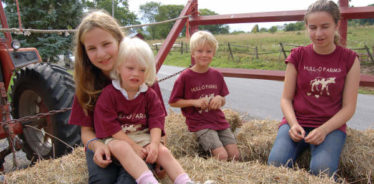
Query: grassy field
(270, 56)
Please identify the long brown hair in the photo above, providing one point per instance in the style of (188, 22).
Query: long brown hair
(329, 7)
(89, 80)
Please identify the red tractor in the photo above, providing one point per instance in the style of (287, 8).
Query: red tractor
(37, 88)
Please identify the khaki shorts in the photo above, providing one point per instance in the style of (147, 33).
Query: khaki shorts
(141, 138)
(212, 139)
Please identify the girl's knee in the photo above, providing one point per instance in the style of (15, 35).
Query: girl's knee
(279, 160)
(118, 146)
(164, 151)
(323, 166)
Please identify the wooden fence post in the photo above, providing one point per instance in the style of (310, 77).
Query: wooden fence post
(256, 52)
(156, 47)
(369, 54)
(232, 56)
(181, 47)
(282, 49)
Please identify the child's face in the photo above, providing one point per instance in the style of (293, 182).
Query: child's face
(203, 55)
(132, 74)
(101, 48)
(321, 28)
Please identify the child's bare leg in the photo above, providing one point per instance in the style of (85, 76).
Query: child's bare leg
(232, 151)
(129, 160)
(169, 163)
(220, 153)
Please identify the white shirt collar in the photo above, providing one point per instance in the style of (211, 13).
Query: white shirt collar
(116, 84)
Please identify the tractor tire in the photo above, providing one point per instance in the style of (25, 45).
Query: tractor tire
(40, 88)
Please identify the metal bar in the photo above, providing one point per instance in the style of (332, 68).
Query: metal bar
(173, 34)
(365, 80)
(343, 23)
(278, 16)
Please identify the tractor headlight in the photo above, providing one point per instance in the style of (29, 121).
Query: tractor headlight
(16, 44)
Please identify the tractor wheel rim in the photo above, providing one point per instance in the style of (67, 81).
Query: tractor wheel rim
(30, 103)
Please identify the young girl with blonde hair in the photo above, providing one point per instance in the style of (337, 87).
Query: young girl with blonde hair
(128, 113)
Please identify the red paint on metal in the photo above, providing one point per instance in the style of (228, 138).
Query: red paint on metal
(365, 80)
(4, 24)
(277, 16)
(343, 24)
(254, 74)
(173, 34)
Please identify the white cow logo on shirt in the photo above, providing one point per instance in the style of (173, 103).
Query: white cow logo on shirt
(319, 85)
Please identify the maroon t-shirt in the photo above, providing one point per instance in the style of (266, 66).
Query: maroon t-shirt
(320, 84)
(113, 110)
(78, 117)
(193, 85)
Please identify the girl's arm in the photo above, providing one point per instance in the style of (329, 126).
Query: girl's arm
(296, 132)
(350, 93)
(152, 148)
(101, 151)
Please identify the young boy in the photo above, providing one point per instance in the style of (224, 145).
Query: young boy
(199, 92)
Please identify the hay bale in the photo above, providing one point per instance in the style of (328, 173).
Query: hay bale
(256, 138)
(184, 143)
(233, 118)
(201, 170)
(71, 168)
(357, 159)
(180, 141)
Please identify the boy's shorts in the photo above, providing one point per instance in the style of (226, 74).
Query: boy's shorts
(212, 139)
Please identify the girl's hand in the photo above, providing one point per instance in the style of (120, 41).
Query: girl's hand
(140, 151)
(102, 155)
(316, 136)
(216, 102)
(296, 132)
(152, 150)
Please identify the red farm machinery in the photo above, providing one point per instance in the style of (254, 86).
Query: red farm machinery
(34, 88)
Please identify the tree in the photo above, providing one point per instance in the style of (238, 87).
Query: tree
(121, 10)
(215, 29)
(255, 29)
(273, 29)
(45, 14)
(166, 12)
(149, 12)
(294, 26)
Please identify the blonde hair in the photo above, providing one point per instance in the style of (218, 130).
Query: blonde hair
(203, 38)
(89, 80)
(329, 7)
(141, 52)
